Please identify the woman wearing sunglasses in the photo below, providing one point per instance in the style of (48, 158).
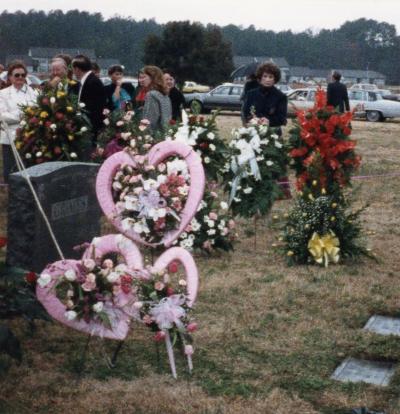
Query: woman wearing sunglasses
(18, 93)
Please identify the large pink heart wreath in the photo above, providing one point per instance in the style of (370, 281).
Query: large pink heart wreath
(157, 154)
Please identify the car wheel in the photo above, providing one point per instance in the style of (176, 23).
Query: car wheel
(196, 107)
(373, 116)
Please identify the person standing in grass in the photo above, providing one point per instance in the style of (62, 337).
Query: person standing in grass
(266, 101)
(11, 99)
(176, 96)
(337, 95)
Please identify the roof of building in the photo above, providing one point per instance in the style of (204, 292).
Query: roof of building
(353, 73)
(107, 62)
(245, 60)
(24, 58)
(49, 52)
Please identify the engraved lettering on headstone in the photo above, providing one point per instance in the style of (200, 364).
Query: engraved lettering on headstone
(69, 208)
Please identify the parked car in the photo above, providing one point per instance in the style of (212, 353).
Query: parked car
(285, 88)
(106, 81)
(225, 97)
(304, 98)
(192, 87)
(376, 108)
(387, 94)
(364, 87)
(300, 99)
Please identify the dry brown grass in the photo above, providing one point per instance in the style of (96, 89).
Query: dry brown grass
(270, 335)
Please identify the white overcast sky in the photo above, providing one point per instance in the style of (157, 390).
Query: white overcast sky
(277, 15)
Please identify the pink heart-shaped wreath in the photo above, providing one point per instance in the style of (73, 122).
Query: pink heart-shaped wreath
(157, 154)
(123, 307)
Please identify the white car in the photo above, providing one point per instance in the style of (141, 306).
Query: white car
(376, 108)
(300, 99)
(126, 79)
(364, 87)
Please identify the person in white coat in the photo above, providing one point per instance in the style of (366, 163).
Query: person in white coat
(18, 93)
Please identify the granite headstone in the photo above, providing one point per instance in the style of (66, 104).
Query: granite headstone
(66, 191)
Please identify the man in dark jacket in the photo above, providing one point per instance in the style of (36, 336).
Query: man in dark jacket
(90, 92)
(337, 93)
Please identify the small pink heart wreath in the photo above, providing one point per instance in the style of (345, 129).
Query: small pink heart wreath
(122, 307)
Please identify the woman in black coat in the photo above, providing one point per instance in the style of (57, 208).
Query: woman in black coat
(175, 95)
(119, 94)
(266, 101)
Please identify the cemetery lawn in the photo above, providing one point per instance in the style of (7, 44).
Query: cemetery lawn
(270, 336)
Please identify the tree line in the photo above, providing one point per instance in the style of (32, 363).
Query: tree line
(198, 52)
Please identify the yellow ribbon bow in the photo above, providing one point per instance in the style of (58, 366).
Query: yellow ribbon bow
(325, 248)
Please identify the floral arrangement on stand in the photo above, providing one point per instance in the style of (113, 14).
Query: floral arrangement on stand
(212, 228)
(55, 129)
(164, 306)
(320, 228)
(202, 134)
(89, 290)
(122, 130)
(253, 168)
(150, 199)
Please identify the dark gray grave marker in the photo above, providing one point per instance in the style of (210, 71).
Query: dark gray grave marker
(67, 193)
(383, 325)
(357, 370)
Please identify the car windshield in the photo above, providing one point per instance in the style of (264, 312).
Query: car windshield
(221, 90)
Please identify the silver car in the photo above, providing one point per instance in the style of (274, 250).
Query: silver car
(224, 97)
(376, 108)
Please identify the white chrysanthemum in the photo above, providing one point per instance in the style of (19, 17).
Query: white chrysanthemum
(70, 315)
(248, 190)
(211, 136)
(211, 223)
(113, 277)
(150, 184)
(269, 163)
(44, 280)
(98, 307)
(70, 275)
(195, 225)
(211, 232)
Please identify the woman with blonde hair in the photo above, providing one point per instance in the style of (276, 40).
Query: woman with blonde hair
(157, 105)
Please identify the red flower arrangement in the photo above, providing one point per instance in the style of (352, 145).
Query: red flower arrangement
(321, 148)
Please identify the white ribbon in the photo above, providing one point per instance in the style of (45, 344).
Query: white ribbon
(168, 312)
(247, 156)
